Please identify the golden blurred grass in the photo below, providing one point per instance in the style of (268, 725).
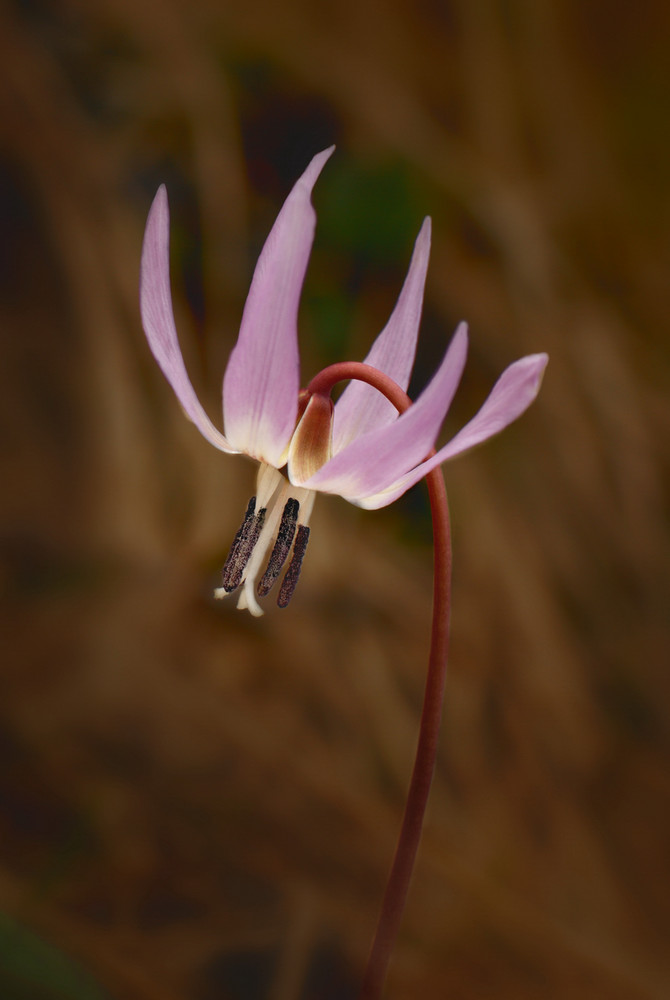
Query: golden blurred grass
(199, 805)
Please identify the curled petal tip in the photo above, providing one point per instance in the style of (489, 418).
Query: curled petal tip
(462, 332)
(423, 240)
(541, 360)
(158, 319)
(529, 373)
(158, 219)
(361, 408)
(260, 388)
(426, 229)
(315, 167)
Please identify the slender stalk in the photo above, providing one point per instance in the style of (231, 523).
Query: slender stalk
(397, 887)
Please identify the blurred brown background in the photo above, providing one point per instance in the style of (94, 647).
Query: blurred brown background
(197, 805)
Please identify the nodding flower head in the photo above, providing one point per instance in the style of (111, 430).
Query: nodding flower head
(360, 448)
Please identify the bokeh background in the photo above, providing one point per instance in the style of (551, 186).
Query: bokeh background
(195, 805)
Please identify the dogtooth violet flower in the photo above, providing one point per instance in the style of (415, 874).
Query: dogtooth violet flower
(359, 448)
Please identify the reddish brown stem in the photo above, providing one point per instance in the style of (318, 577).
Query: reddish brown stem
(397, 888)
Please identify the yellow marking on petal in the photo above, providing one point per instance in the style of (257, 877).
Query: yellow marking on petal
(311, 444)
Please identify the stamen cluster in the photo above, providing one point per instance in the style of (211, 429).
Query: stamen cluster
(290, 534)
(275, 522)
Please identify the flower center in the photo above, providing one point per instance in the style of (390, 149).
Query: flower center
(276, 517)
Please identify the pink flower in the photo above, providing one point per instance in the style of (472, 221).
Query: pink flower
(361, 448)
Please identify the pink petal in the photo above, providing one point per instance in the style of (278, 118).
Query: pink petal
(512, 394)
(373, 462)
(361, 408)
(260, 387)
(158, 319)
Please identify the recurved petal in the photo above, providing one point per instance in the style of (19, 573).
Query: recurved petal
(361, 408)
(512, 394)
(376, 460)
(158, 319)
(260, 387)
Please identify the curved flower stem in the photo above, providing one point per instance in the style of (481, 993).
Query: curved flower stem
(397, 886)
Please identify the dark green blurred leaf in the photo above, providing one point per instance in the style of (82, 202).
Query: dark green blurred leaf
(372, 214)
(32, 969)
(331, 318)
